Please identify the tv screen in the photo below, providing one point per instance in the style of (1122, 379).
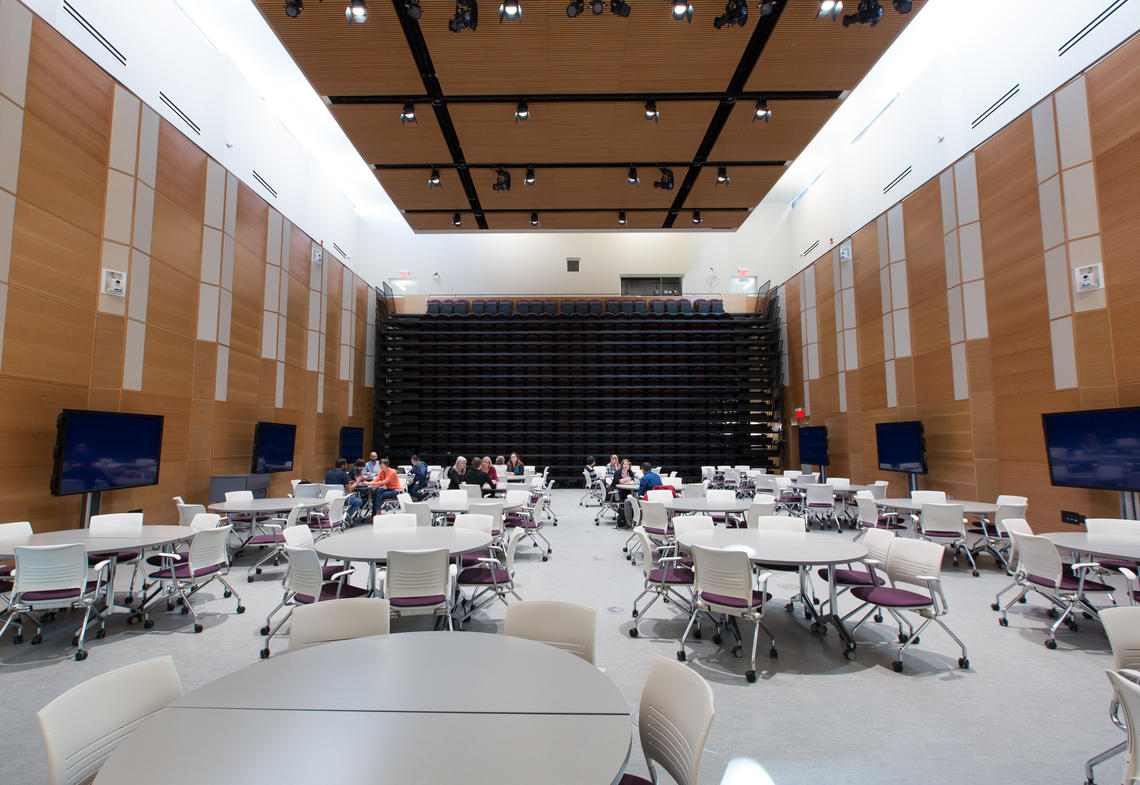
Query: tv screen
(902, 446)
(1094, 449)
(273, 447)
(813, 445)
(351, 444)
(103, 451)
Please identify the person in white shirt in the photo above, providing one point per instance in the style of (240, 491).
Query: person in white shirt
(372, 467)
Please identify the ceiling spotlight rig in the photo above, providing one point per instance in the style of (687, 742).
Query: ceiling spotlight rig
(722, 177)
(767, 8)
(683, 9)
(522, 112)
(621, 218)
(619, 7)
(504, 181)
(762, 111)
(529, 178)
(293, 8)
(631, 177)
(869, 13)
(356, 12)
(575, 8)
(457, 220)
(735, 15)
(408, 113)
(830, 9)
(651, 112)
(534, 219)
(433, 178)
(666, 181)
(466, 16)
(697, 220)
(412, 9)
(511, 11)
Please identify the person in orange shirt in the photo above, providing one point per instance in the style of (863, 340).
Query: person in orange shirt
(386, 483)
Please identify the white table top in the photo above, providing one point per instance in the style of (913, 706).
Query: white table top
(968, 507)
(1118, 546)
(276, 504)
(149, 537)
(436, 506)
(776, 547)
(702, 504)
(381, 707)
(367, 543)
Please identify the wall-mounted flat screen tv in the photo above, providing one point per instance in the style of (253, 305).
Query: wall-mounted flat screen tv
(1098, 448)
(104, 451)
(813, 445)
(273, 447)
(351, 444)
(902, 446)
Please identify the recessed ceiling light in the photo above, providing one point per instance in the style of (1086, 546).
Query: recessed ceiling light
(598, 7)
(621, 218)
(632, 177)
(762, 111)
(408, 114)
(722, 177)
(293, 8)
(651, 112)
(683, 9)
(357, 11)
(534, 219)
(529, 178)
(522, 112)
(433, 178)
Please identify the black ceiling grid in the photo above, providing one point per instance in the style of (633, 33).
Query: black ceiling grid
(418, 47)
(764, 27)
(494, 210)
(586, 98)
(573, 165)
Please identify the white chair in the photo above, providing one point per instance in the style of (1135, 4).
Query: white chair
(530, 521)
(395, 520)
(242, 521)
(493, 509)
(185, 574)
(661, 495)
(819, 504)
(307, 583)
(186, 512)
(83, 726)
(12, 531)
(1126, 687)
(112, 525)
(878, 489)
(684, 524)
(338, 620)
(474, 493)
(595, 489)
(878, 543)
(490, 576)
(1021, 527)
(422, 511)
(945, 525)
(869, 516)
(664, 576)
(763, 504)
(791, 474)
(274, 536)
(1122, 626)
(993, 536)
(418, 582)
(720, 497)
(725, 585)
(928, 497)
(456, 498)
(325, 524)
(51, 578)
(694, 490)
(565, 625)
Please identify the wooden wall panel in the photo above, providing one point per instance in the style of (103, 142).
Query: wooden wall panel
(180, 175)
(52, 257)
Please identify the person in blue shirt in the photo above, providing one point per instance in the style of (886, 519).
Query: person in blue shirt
(338, 475)
(418, 486)
(649, 479)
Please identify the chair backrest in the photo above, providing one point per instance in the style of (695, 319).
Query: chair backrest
(1037, 556)
(634, 509)
(16, 529)
(694, 490)
(416, 574)
(763, 505)
(336, 508)
(878, 489)
(50, 567)
(779, 523)
(1111, 526)
(659, 495)
(395, 520)
(294, 483)
(338, 620)
(186, 512)
(878, 543)
(480, 522)
(422, 511)
(205, 520)
(239, 496)
(568, 626)
(298, 537)
(1021, 526)
(928, 497)
(1122, 626)
(1005, 511)
(494, 509)
(792, 474)
(867, 510)
(724, 572)
(332, 492)
(208, 547)
(307, 490)
(817, 493)
(516, 499)
(116, 523)
(1005, 498)
(474, 492)
(84, 725)
(305, 576)
(912, 561)
(943, 518)
(1128, 694)
(839, 483)
(720, 496)
(648, 550)
(684, 524)
(453, 497)
(654, 514)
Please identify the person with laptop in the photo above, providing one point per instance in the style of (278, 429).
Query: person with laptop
(417, 488)
(338, 475)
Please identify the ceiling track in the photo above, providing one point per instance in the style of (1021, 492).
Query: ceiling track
(760, 35)
(586, 98)
(419, 50)
(500, 210)
(577, 165)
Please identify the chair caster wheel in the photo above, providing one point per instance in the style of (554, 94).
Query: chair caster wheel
(198, 628)
(148, 624)
(903, 637)
(789, 607)
(1086, 614)
(170, 606)
(629, 558)
(546, 558)
(878, 618)
(751, 676)
(133, 619)
(37, 639)
(716, 638)
(633, 633)
(1051, 613)
(100, 634)
(697, 634)
(185, 610)
(915, 640)
(227, 594)
(963, 663)
(129, 599)
(625, 550)
(807, 616)
(264, 654)
(241, 609)
(634, 613)
(1023, 600)
(81, 655)
(681, 656)
(257, 570)
(18, 639)
(897, 666)
(773, 654)
(1003, 621)
(849, 652)
(249, 578)
(994, 606)
(264, 630)
(975, 573)
(550, 550)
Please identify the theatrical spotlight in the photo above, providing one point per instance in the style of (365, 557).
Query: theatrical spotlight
(619, 7)
(598, 7)
(766, 9)
(621, 218)
(830, 9)
(697, 220)
(735, 15)
(457, 220)
(762, 111)
(651, 112)
(522, 112)
(293, 8)
(408, 113)
(869, 13)
(722, 177)
(534, 219)
(357, 11)
(511, 11)
(632, 177)
(575, 8)
(433, 178)
(466, 16)
(504, 181)
(903, 6)
(683, 9)
(529, 178)
(666, 181)
(412, 9)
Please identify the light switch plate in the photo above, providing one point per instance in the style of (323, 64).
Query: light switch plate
(1089, 278)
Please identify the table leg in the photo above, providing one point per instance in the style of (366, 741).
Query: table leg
(112, 561)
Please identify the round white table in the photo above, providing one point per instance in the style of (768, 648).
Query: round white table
(371, 545)
(701, 504)
(265, 506)
(112, 545)
(791, 549)
(409, 707)
(1112, 546)
(910, 505)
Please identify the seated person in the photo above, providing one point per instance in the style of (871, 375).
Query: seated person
(356, 471)
(456, 472)
(339, 476)
(590, 462)
(419, 479)
(613, 466)
(477, 477)
(490, 469)
(623, 476)
(387, 482)
(372, 468)
(649, 479)
(514, 465)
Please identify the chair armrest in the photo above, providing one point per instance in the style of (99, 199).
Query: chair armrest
(277, 526)
(101, 566)
(1129, 673)
(1085, 565)
(488, 560)
(341, 574)
(1127, 573)
(762, 579)
(927, 578)
(173, 556)
(669, 559)
(873, 562)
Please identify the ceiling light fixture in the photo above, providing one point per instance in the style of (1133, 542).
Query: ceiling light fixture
(412, 9)
(666, 181)
(868, 13)
(683, 9)
(408, 113)
(830, 9)
(504, 181)
(619, 7)
(903, 6)
(762, 111)
(466, 16)
(522, 112)
(457, 220)
(697, 220)
(651, 112)
(735, 15)
(293, 8)
(529, 178)
(511, 11)
(433, 178)
(632, 177)
(598, 7)
(534, 219)
(767, 8)
(722, 177)
(357, 11)
(575, 8)
(621, 218)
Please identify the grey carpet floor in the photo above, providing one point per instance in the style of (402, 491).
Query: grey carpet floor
(1021, 713)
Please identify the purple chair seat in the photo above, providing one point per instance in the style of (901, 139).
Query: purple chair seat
(658, 532)
(821, 505)
(320, 524)
(852, 577)
(483, 575)
(947, 535)
(7, 569)
(988, 529)
(120, 556)
(266, 539)
(417, 602)
(58, 594)
(158, 561)
(5, 585)
(891, 597)
(633, 779)
(329, 591)
(1070, 583)
(758, 599)
(1113, 564)
(888, 522)
(182, 571)
(330, 570)
(678, 575)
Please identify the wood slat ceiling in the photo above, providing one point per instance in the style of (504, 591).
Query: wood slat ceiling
(369, 70)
